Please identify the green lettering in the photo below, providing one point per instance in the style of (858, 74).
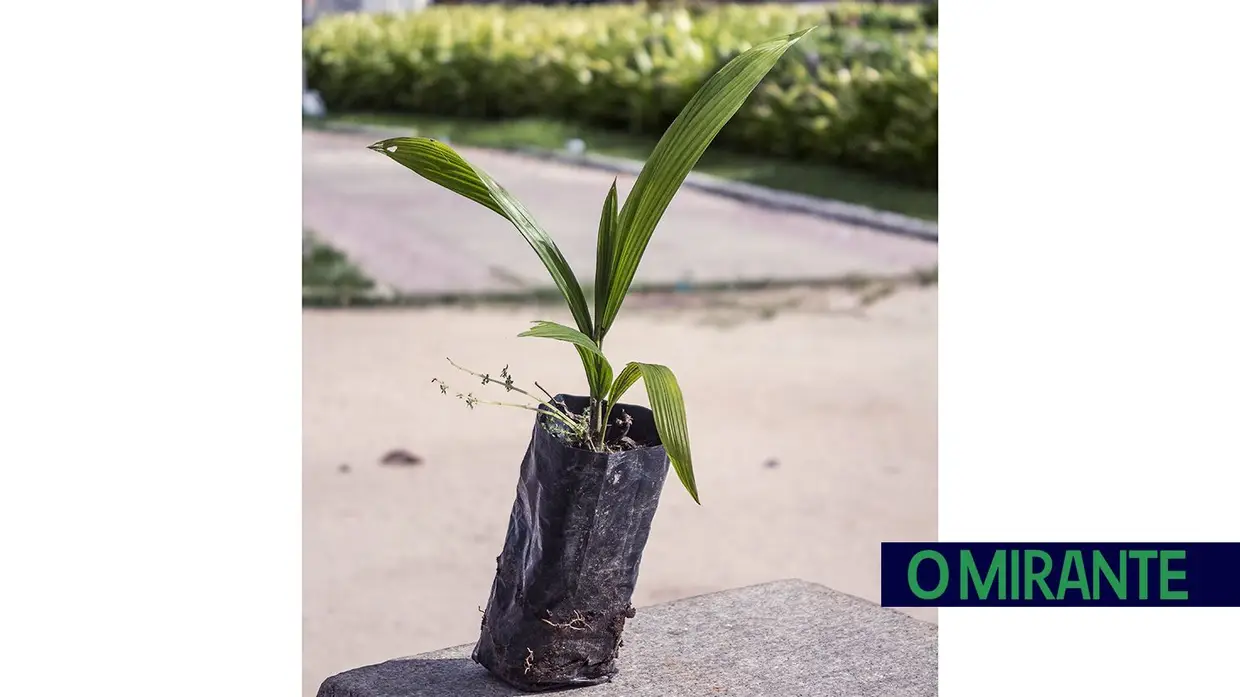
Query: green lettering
(971, 576)
(1103, 568)
(1038, 577)
(1073, 562)
(1143, 571)
(1167, 575)
(1014, 585)
(912, 574)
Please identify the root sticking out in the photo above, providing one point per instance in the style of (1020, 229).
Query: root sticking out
(576, 623)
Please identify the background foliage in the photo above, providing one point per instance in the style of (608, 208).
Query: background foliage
(861, 92)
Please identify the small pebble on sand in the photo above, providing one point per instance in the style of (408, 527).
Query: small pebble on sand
(400, 457)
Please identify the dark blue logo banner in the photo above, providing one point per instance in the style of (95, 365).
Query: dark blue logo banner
(1107, 574)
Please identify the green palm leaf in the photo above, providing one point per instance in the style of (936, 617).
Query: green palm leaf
(626, 379)
(598, 370)
(608, 236)
(555, 330)
(675, 155)
(442, 165)
(668, 405)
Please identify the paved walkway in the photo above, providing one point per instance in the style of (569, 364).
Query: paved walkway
(418, 238)
(814, 439)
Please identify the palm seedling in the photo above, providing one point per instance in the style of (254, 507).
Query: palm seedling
(623, 233)
(586, 498)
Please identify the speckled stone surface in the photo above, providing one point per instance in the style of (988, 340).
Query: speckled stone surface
(782, 639)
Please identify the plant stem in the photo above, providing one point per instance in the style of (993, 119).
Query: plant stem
(550, 407)
(597, 409)
(598, 417)
(576, 427)
(488, 379)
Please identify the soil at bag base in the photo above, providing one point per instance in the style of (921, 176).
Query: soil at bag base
(544, 676)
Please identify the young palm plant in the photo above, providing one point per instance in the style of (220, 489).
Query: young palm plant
(623, 234)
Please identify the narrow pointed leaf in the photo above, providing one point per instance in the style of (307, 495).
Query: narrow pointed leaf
(442, 165)
(675, 155)
(668, 406)
(626, 379)
(607, 238)
(598, 370)
(555, 330)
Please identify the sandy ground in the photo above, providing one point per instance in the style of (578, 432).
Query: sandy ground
(398, 559)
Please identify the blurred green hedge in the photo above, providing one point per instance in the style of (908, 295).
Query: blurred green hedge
(861, 91)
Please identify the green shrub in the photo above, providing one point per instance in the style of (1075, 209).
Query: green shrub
(861, 92)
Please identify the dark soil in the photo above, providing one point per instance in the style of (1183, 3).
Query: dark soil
(618, 432)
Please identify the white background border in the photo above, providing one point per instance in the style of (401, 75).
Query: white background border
(1089, 328)
(150, 367)
(150, 353)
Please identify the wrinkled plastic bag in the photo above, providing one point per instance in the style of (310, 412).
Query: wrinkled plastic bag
(565, 579)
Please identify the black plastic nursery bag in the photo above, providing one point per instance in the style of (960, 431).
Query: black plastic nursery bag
(565, 579)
